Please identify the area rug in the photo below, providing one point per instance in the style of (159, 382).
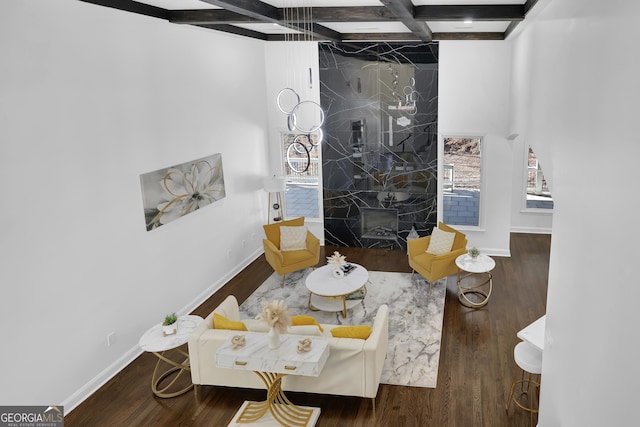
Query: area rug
(415, 319)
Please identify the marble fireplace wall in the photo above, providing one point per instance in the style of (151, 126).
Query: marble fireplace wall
(379, 155)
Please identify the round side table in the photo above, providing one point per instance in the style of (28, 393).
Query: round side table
(155, 342)
(475, 295)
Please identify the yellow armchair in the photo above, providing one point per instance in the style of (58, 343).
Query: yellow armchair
(284, 262)
(434, 267)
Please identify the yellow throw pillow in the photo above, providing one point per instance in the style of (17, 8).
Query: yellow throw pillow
(305, 320)
(221, 322)
(362, 332)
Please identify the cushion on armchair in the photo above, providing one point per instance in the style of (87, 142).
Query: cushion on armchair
(293, 238)
(440, 242)
(272, 231)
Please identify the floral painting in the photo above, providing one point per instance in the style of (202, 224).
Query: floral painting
(170, 193)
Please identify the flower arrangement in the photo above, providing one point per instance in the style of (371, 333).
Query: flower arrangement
(474, 252)
(276, 315)
(336, 259)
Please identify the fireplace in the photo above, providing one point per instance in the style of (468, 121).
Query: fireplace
(379, 224)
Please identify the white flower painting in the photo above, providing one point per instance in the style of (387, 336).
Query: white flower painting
(170, 193)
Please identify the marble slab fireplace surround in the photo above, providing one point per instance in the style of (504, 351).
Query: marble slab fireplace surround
(379, 155)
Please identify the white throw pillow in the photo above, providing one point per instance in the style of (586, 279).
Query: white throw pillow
(440, 242)
(293, 238)
(304, 330)
(255, 325)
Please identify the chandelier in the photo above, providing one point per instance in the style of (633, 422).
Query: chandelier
(304, 117)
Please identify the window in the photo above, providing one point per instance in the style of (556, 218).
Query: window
(538, 195)
(461, 181)
(301, 163)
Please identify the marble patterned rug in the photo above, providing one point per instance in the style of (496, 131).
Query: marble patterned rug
(415, 319)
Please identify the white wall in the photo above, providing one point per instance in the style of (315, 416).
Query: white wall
(579, 68)
(474, 81)
(92, 98)
(520, 98)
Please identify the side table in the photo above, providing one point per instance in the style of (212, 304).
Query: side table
(271, 366)
(155, 342)
(483, 264)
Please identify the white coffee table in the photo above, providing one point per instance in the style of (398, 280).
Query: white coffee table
(483, 264)
(155, 342)
(327, 293)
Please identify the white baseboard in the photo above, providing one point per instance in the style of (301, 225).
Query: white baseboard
(496, 252)
(531, 230)
(71, 402)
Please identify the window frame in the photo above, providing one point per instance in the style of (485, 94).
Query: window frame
(481, 136)
(525, 185)
(285, 133)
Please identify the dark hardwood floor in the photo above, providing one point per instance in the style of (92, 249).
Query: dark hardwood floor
(476, 359)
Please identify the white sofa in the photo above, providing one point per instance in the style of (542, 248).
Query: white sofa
(353, 368)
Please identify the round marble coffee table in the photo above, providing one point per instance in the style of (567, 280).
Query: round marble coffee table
(155, 342)
(475, 295)
(327, 293)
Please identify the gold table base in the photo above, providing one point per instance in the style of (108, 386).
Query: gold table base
(343, 297)
(157, 378)
(282, 409)
(464, 292)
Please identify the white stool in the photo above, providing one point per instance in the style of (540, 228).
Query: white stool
(529, 359)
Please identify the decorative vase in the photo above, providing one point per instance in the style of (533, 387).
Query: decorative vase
(273, 337)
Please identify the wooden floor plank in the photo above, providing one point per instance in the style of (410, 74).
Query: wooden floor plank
(476, 359)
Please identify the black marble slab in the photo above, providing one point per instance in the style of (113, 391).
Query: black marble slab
(380, 138)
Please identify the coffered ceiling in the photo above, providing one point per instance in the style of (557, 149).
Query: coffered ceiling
(341, 20)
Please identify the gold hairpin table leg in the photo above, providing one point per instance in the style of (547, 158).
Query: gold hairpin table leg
(157, 378)
(282, 409)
